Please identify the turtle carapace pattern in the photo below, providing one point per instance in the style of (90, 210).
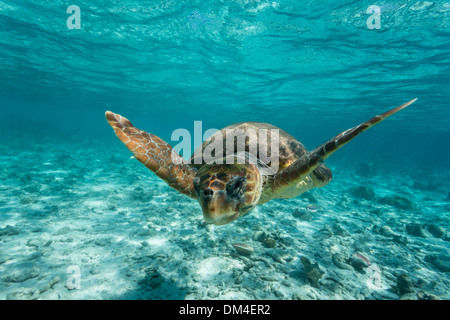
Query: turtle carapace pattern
(228, 190)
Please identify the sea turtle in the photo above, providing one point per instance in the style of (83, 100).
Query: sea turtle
(227, 190)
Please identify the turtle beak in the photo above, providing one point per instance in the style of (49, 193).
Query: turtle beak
(218, 208)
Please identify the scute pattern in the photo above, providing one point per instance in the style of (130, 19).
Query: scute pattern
(155, 154)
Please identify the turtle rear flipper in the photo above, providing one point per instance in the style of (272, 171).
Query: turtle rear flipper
(303, 166)
(155, 154)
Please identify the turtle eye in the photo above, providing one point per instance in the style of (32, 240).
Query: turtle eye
(237, 187)
(239, 184)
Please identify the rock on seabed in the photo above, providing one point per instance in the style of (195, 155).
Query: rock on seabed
(21, 272)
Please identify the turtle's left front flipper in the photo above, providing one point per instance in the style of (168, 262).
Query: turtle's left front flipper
(155, 154)
(310, 161)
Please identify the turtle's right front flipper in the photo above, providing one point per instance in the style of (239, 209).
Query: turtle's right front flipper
(155, 154)
(310, 161)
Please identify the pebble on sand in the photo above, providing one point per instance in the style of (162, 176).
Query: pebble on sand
(243, 249)
(9, 231)
(404, 285)
(21, 272)
(442, 263)
(386, 231)
(359, 262)
(362, 192)
(312, 271)
(397, 202)
(415, 229)
(435, 230)
(23, 294)
(302, 215)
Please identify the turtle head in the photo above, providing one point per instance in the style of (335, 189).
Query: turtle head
(227, 191)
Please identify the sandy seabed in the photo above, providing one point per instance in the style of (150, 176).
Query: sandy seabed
(80, 220)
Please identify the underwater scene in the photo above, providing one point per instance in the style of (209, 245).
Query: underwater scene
(104, 102)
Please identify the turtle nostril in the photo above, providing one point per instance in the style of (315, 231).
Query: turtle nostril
(208, 193)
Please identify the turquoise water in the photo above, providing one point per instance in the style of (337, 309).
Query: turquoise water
(71, 195)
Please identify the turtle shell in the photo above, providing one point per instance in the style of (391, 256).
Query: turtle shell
(247, 134)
